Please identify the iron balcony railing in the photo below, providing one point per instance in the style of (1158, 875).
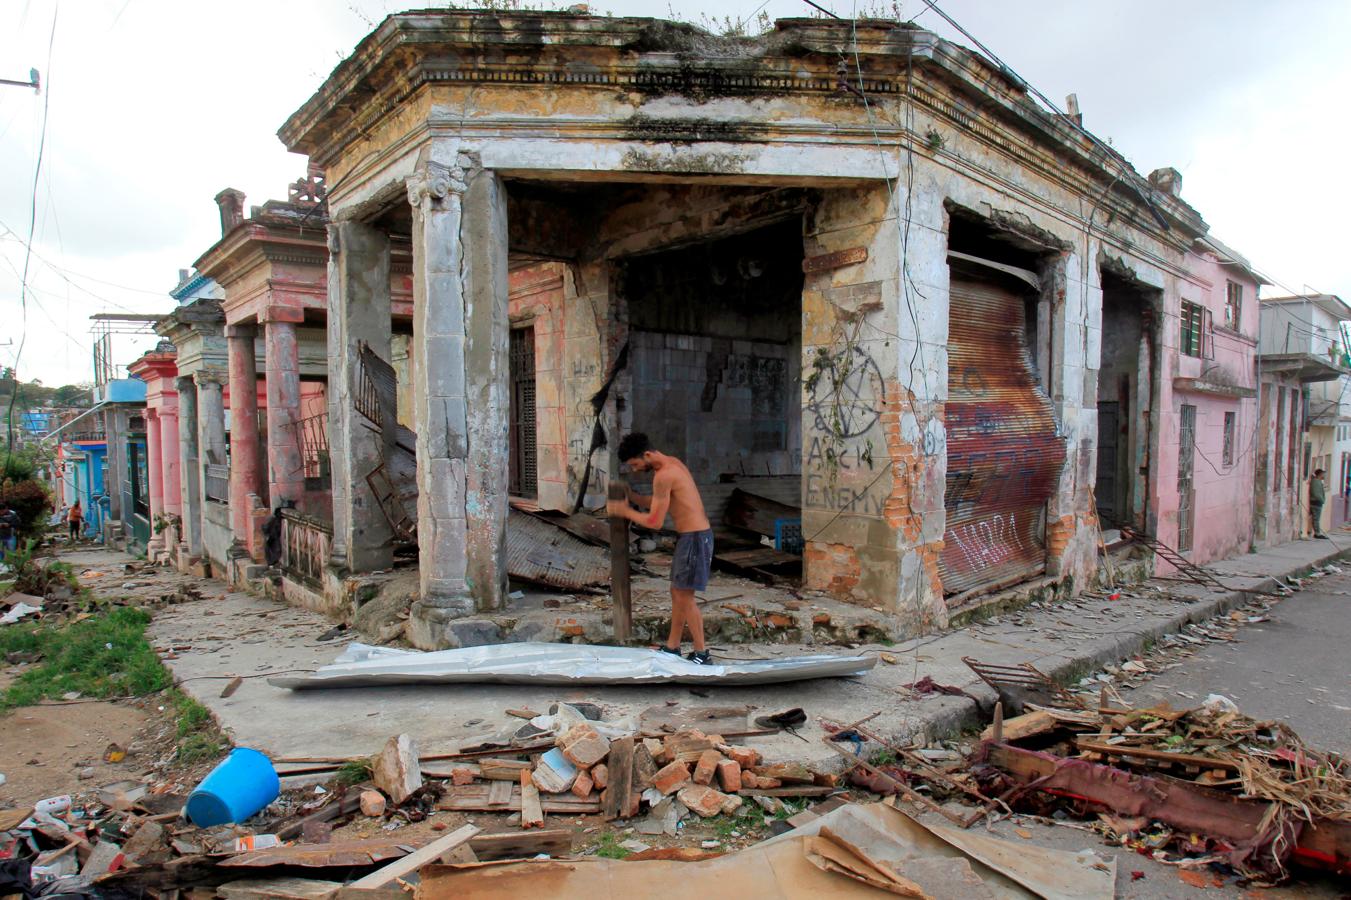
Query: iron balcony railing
(305, 544)
(218, 483)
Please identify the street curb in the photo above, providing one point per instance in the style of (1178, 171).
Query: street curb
(949, 717)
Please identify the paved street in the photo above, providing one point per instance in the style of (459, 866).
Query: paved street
(1293, 668)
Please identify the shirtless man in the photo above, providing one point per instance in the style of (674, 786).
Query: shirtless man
(673, 491)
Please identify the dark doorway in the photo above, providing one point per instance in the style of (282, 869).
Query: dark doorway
(1125, 396)
(523, 479)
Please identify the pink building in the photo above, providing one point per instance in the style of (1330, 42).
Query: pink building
(1209, 401)
(158, 368)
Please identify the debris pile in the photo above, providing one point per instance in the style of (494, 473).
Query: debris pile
(1190, 786)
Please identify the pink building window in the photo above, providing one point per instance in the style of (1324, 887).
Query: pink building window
(1230, 421)
(1233, 304)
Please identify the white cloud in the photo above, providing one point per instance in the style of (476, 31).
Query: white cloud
(157, 105)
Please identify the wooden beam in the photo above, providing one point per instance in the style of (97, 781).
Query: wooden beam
(620, 590)
(417, 859)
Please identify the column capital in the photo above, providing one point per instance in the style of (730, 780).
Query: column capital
(209, 378)
(184, 383)
(241, 331)
(432, 182)
(276, 313)
(151, 413)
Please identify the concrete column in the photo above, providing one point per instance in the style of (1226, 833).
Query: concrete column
(210, 419)
(190, 482)
(461, 328)
(170, 465)
(286, 475)
(245, 452)
(154, 462)
(358, 310)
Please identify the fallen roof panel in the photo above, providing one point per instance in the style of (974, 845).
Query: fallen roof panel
(362, 665)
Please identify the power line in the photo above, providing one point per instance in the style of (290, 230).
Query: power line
(32, 224)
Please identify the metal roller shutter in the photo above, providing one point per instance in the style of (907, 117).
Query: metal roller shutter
(1004, 455)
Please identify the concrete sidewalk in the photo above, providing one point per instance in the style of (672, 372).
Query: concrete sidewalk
(215, 639)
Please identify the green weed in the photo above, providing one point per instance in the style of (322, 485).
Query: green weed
(105, 655)
(198, 736)
(354, 771)
(609, 848)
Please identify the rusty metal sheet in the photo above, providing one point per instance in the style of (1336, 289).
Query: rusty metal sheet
(541, 552)
(335, 853)
(837, 260)
(1004, 452)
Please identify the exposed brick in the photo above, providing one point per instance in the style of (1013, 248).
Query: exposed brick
(729, 775)
(657, 750)
(672, 778)
(583, 746)
(707, 766)
(763, 782)
(461, 776)
(731, 805)
(582, 786)
(702, 800)
(749, 781)
(601, 776)
(744, 756)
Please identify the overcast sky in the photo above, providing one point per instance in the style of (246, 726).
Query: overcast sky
(154, 106)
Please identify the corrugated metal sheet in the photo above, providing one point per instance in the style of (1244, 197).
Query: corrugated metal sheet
(1004, 455)
(546, 554)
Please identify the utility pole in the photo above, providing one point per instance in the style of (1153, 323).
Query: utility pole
(34, 81)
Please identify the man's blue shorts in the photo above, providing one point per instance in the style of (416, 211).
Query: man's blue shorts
(692, 561)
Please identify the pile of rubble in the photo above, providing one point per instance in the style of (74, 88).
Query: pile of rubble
(1198, 786)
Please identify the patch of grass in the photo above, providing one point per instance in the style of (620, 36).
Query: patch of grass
(354, 771)
(608, 847)
(105, 655)
(198, 736)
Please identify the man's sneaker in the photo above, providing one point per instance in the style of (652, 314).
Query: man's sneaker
(665, 649)
(700, 657)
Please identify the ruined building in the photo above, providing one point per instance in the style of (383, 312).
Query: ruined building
(849, 266)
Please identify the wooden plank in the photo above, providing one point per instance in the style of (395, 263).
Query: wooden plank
(417, 859)
(1019, 727)
(499, 793)
(1185, 759)
(502, 769)
(620, 588)
(755, 513)
(532, 816)
(796, 790)
(522, 845)
(617, 797)
(478, 798)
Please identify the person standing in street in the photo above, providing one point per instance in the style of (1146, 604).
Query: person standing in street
(1318, 493)
(9, 528)
(674, 491)
(76, 519)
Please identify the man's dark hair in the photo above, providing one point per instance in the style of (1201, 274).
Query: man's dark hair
(633, 446)
(1316, 472)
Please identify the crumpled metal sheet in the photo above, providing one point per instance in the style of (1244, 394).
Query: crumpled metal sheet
(362, 665)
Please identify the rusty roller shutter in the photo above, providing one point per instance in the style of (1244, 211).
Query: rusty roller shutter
(1004, 456)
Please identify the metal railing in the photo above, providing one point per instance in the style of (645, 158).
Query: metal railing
(305, 544)
(217, 483)
(312, 436)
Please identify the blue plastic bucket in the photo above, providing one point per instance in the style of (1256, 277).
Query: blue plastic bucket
(243, 783)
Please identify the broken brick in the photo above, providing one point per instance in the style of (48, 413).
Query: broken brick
(731, 805)
(655, 747)
(729, 775)
(749, 781)
(702, 800)
(582, 786)
(583, 746)
(461, 776)
(601, 776)
(707, 766)
(672, 778)
(745, 757)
